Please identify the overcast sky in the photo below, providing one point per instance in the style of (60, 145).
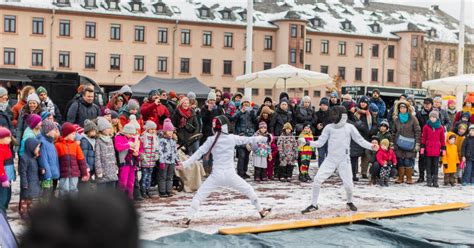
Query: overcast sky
(452, 7)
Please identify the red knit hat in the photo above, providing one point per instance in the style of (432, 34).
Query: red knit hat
(172, 94)
(469, 98)
(33, 120)
(79, 129)
(4, 132)
(67, 128)
(451, 101)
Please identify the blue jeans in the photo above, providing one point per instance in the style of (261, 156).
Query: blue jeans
(243, 156)
(68, 186)
(468, 174)
(406, 162)
(322, 153)
(5, 197)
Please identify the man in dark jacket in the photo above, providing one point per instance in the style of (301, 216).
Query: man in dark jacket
(423, 116)
(208, 112)
(379, 102)
(305, 115)
(83, 108)
(245, 125)
(322, 119)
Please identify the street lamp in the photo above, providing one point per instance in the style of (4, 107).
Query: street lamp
(115, 78)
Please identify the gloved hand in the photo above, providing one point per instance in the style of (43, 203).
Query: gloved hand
(162, 166)
(417, 147)
(6, 184)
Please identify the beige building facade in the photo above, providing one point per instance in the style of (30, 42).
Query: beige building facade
(116, 49)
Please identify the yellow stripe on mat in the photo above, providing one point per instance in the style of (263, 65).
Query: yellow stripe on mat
(342, 220)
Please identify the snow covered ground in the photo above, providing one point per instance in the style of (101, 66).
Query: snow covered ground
(228, 208)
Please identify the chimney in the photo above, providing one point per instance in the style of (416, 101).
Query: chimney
(435, 7)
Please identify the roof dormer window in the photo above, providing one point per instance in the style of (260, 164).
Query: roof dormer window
(204, 12)
(346, 25)
(90, 4)
(375, 27)
(432, 32)
(63, 3)
(225, 15)
(136, 5)
(317, 22)
(243, 15)
(113, 4)
(346, 12)
(160, 8)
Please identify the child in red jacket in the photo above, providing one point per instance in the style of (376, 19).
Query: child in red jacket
(386, 158)
(5, 154)
(432, 142)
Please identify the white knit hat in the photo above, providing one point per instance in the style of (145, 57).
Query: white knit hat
(33, 97)
(129, 129)
(3, 91)
(150, 125)
(212, 95)
(103, 123)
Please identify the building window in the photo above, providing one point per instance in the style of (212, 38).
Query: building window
(90, 30)
(115, 32)
(241, 90)
(90, 4)
(206, 66)
(359, 49)
(438, 54)
(186, 37)
(316, 93)
(390, 75)
(391, 51)
(452, 55)
(113, 4)
(37, 57)
(324, 69)
(204, 12)
(293, 56)
(163, 35)
(38, 25)
(294, 31)
(64, 28)
(342, 71)
(324, 46)
(226, 15)
(375, 50)
(162, 64)
(115, 62)
(268, 92)
(267, 65)
(301, 56)
(342, 48)
(414, 64)
(64, 58)
(227, 39)
(414, 40)
(90, 61)
(375, 75)
(184, 68)
(307, 67)
(302, 29)
(308, 46)
(9, 56)
(255, 92)
(9, 24)
(226, 89)
(139, 33)
(268, 44)
(228, 67)
(139, 63)
(207, 38)
(358, 74)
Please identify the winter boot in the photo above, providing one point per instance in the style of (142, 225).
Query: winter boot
(385, 181)
(409, 174)
(309, 209)
(302, 178)
(401, 174)
(381, 181)
(143, 194)
(435, 181)
(148, 194)
(265, 212)
(351, 206)
(429, 181)
(308, 178)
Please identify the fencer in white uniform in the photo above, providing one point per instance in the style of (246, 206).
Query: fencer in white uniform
(338, 135)
(223, 172)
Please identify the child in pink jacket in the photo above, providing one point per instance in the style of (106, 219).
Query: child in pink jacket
(433, 145)
(129, 148)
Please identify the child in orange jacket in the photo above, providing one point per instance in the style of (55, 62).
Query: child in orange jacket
(450, 161)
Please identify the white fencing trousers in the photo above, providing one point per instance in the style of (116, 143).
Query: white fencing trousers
(343, 166)
(222, 178)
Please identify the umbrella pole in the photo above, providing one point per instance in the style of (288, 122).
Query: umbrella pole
(284, 79)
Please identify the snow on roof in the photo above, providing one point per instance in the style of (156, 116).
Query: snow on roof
(391, 18)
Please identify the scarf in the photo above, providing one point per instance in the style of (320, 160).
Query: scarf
(186, 114)
(403, 117)
(3, 106)
(368, 117)
(48, 106)
(91, 141)
(105, 138)
(434, 125)
(451, 111)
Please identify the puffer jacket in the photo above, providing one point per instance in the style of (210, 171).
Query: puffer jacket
(156, 113)
(433, 140)
(125, 154)
(29, 171)
(5, 155)
(87, 147)
(80, 110)
(245, 122)
(451, 160)
(305, 116)
(190, 128)
(168, 151)
(323, 118)
(150, 155)
(468, 148)
(49, 158)
(288, 149)
(279, 118)
(71, 159)
(355, 149)
(410, 129)
(6, 122)
(105, 161)
(206, 117)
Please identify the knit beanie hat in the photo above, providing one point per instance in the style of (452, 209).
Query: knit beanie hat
(451, 101)
(33, 120)
(384, 123)
(152, 93)
(40, 90)
(434, 114)
(172, 94)
(4, 132)
(103, 124)
(287, 126)
(133, 105)
(469, 98)
(466, 115)
(306, 99)
(245, 99)
(129, 129)
(226, 95)
(89, 126)
(284, 100)
(191, 95)
(149, 125)
(428, 100)
(212, 95)
(114, 114)
(134, 122)
(373, 108)
(262, 124)
(67, 128)
(238, 94)
(167, 125)
(106, 111)
(324, 101)
(79, 129)
(45, 115)
(364, 99)
(266, 109)
(385, 142)
(3, 91)
(334, 94)
(33, 97)
(48, 126)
